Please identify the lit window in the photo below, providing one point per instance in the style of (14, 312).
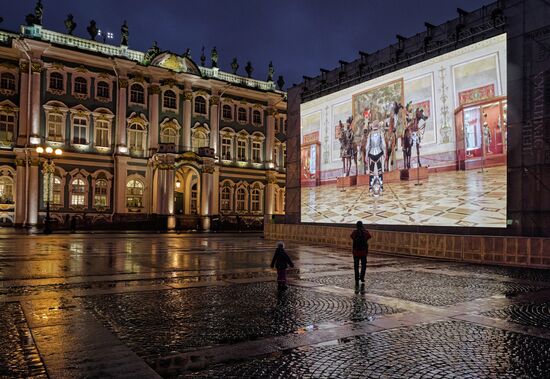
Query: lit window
(200, 105)
(6, 190)
(78, 192)
(242, 115)
(255, 196)
(134, 194)
(226, 199)
(55, 127)
(168, 135)
(80, 130)
(241, 199)
(241, 150)
(55, 187)
(226, 147)
(7, 81)
(137, 94)
(256, 117)
(136, 138)
(80, 86)
(56, 81)
(169, 99)
(256, 151)
(102, 129)
(227, 112)
(100, 193)
(103, 90)
(200, 139)
(7, 126)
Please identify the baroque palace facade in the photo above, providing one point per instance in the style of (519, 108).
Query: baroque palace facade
(144, 136)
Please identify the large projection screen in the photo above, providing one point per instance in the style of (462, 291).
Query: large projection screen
(422, 146)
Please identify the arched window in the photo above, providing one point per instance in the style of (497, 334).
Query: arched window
(256, 117)
(227, 147)
(103, 89)
(78, 192)
(200, 139)
(136, 138)
(56, 81)
(55, 127)
(255, 200)
(100, 193)
(169, 99)
(102, 131)
(256, 151)
(7, 81)
(242, 115)
(241, 199)
(169, 135)
(80, 86)
(226, 199)
(242, 146)
(55, 190)
(227, 112)
(137, 94)
(200, 105)
(80, 130)
(7, 127)
(6, 190)
(134, 193)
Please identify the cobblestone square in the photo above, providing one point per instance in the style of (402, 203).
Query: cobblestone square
(192, 305)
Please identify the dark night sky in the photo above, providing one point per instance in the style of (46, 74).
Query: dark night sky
(299, 36)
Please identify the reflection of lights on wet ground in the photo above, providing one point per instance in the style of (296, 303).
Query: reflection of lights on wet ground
(76, 247)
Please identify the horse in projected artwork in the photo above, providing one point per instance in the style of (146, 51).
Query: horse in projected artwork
(412, 136)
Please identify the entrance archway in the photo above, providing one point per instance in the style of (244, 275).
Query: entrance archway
(187, 191)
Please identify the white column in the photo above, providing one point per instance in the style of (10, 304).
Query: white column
(121, 112)
(120, 185)
(32, 209)
(36, 68)
(23, 104)
(188, 97)
(215, 195)
(214, 123)
(269, 194)
(154, 92)
(270, 135)
(20, 189)
(207, 184)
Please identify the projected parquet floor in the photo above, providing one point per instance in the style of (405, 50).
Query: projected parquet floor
(464, 198)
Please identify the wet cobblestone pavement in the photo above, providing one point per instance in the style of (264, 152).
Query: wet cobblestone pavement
(430, 288)
(439, 350)
(18, 355)
(191, 305)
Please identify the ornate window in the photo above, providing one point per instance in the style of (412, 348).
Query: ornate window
(241, 150)
(7, 127)
(241, 115)
(255, 200)
(134, 193)
(227, 147)
(6, 190)
(226, 199)
(102, 133)
(169, 135)
(80, 130)
(200, 105)
(100, 193)
(57, 82)
(169, 99)
(55, 190)
(7, 81)
(136, 138)
(227, 112)
(55, 127)
(200, 136)
(80, 86)
(78, 192)
(240, 196)
(256, 117)
(137, 94)
(256, 151)
(103, 90)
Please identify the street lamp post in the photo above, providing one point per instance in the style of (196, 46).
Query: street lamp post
(48, 168)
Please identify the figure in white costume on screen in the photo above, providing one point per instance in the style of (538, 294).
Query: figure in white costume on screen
(375, 149)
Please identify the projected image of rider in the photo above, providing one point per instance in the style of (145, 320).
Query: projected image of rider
(375, 149)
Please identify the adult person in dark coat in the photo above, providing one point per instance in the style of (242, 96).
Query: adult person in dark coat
(360, 237)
